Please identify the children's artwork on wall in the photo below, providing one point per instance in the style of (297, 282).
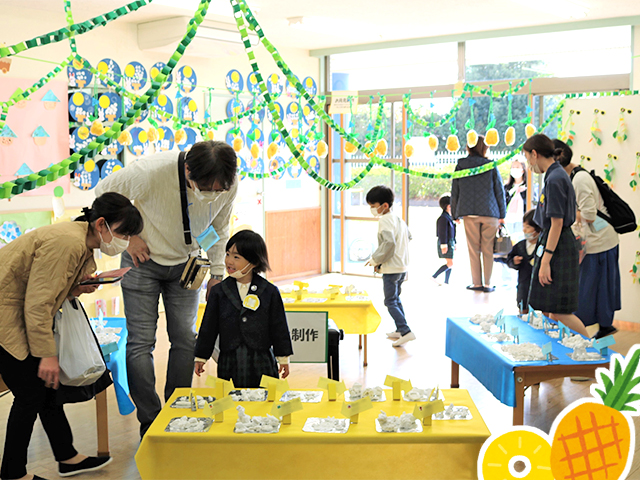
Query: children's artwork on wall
(128, 105)
(234, 81)
(295, 170)
(79, 77)
(187, 108)
(292, 113)
(275, 164)
(140, 144)
(256, 165)
(164, 103)
(110, 166)
(186, 79)
(310, 86)
(165, 139)
(231, 135)
(279, 109)
(111, 70)
(13, 225)
(257, 117)
(109, 107)
(86, 176)
(274, 84)
(50, 101)
(192, 138)
(80, 106)
(234, 107)
(314, 163)
(135, 77)
(40, 136)
(157, 70)
(113, 149)
(276, 137)
(308, 114)
(255, 136)
(80, 138)
(24, 140)
(291, 88)
(252, 83)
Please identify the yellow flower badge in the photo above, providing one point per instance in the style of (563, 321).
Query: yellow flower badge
(252, 302)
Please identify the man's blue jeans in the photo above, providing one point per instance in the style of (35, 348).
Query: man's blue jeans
(392, 286)
(141, 289)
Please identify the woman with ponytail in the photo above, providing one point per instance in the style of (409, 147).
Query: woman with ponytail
(37, 272)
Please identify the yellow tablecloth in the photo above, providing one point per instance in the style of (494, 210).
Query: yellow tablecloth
(446, 450)
(359, 318)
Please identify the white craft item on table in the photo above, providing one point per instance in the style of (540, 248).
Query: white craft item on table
(523, 352)
(189, 424)
(326, 425)
(554, 333)
(358, 298)
(423, 395)
(486, 326)
(480, 318)
(247, 424)
(405, 423)
(580, 354)
(453, 413)
(249, 395)
(288, 300)
(304, 396)
(499, 337)
(574, 341)
(314, 300)
(185, 402)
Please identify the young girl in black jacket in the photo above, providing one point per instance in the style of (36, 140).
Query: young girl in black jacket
(446, 232)
(247, 312)
(521, 258)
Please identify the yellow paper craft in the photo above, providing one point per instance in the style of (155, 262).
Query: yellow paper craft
(433, 142)
(408, 150)
(425, 411)
(273, 385)
(510, 136)
(285, 410)
(334, 387)
(398, 385)
(302, 287)
(272, 150)
(530, 130)
(472, 138)
(492, 137)
(353, 409)
(217, 408)
(223, 387)
(382, 147)
(322, 149)
(333, 292)
(252, 302)
(453, 144)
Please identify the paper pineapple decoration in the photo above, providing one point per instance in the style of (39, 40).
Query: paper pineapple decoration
(181, 137)
(381, 147)
(272, 150)
(152, 134)
(255, 150)
(510, 136)
(368, 145)
(453, 144)
(433, 142)
(322, 149)
(492, 138)
(97, 128)
(350, 147)
(529, 130)
(238, 143)
(472, 138)
(408, 150)
(210, 134)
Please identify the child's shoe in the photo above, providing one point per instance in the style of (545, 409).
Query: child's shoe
(404, 339)
(393, 335)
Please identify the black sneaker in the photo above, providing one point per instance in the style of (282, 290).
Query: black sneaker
(604, 332)
(488, 289)
(89, 464)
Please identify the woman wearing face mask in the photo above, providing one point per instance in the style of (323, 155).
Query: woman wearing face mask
(37, 272)
(554, 285)
(247, 313)
(515, 191)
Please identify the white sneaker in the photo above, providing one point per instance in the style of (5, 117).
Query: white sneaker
(404, 339)
(392, 335)
(436, 281)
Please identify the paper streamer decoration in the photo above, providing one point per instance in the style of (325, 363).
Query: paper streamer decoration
(50, 101)
(135, 76)
(80, 106)
(192, 138)
(234, 107)
(157, 70)
(140, 145)
(111, 70)
(310, 86)
(308, 114)
(84, 179)
(165, 139)
(40, 136)
(231, 134)
(233, 81)
(187, 109)
(278, 108)
(79, 74)
(128, 105)
(163, 104)
(110, 166)
(252, 83)
(636, 173)
(80, 138)
(275, 86)
(274, 165)
(257, 117)
(113, 148)
(109, 107)
(186, 79)
(290, 89)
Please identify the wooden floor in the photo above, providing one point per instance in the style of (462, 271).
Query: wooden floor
(423, 361)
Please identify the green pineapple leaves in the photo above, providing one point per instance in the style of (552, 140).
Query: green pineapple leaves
(617, 390)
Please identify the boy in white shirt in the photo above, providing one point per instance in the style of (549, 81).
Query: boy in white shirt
(391, 258)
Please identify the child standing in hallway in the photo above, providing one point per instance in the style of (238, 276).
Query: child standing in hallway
(521, 258)
(446, 232)
(391, 258)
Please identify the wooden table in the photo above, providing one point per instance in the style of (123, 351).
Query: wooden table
(507, 380)
(446, 450)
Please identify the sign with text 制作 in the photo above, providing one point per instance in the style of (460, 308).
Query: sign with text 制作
(309, 336)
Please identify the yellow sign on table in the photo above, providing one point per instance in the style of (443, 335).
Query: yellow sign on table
(354, 409)
(398, 385)
(223, 387)
(425, 411)
(302, 287)
(334, 387)
(273, 385)
(285, 410)
(218, 407)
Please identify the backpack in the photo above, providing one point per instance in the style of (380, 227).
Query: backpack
(620, 217)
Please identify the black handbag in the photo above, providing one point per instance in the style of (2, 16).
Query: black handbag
(502, 244)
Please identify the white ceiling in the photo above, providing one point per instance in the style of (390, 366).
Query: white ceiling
(345, 23)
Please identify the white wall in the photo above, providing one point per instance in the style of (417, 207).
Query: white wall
(635, 66)
(624, 167)
(118, 40)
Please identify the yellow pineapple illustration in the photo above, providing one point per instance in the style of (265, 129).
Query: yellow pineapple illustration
(522, 453)
(492, 137)
(529, 130)
(453, 144)
(510, 136)
(381, 147)
(322, 149)
(472, 138)
(408, 150)
(350, 147)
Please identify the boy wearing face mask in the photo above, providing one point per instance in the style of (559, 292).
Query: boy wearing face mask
(391, 258)
(521, 259)
(207, 173)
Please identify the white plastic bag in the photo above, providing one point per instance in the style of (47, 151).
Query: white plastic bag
(79, 355)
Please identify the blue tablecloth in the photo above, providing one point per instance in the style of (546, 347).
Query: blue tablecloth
(465, 346)
(117, 363)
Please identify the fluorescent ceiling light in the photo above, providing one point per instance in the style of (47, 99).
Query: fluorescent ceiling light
(561, 8)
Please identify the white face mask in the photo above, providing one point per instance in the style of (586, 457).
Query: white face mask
(374, 212)
(517, 172)
(531, 237)
(205, 196)
(241, 273)
(115, 247)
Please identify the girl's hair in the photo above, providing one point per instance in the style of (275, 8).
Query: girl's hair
(562, 153)
(512, 180)
(117, 210)
(444, 201)
(541, 144)
(252, 247)
(479, 149)
(528, 219)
